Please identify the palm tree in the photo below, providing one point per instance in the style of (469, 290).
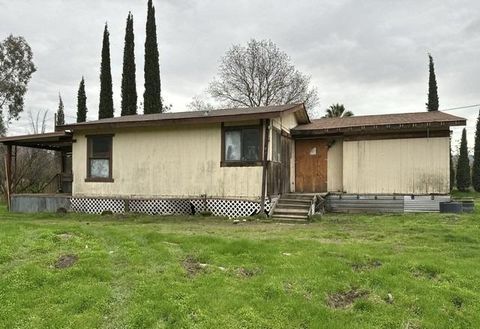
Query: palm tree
(337, 111)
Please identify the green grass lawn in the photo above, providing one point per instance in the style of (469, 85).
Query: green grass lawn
(154, 272)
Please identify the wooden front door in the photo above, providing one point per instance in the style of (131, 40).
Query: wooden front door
(311, 165)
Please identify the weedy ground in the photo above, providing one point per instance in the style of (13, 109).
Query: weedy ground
(343, 271)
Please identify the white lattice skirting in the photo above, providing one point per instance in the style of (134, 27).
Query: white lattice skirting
(218, 207)
(97, 205)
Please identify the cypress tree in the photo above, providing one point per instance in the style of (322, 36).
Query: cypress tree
(432, 104)
(152, 102)
(476, 158)
(106, 94)
(129, 85)
(463, 166)
(60, 112)
(81, 102)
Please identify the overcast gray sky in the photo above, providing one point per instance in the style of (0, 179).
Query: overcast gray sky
(369, 55)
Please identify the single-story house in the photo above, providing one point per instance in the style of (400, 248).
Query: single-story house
(241, 161)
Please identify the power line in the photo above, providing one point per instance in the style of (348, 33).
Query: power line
(460, 107)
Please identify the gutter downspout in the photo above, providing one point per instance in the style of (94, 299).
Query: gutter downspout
(266, 124)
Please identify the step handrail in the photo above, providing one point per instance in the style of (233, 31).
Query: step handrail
(273, 206)
(311, 210)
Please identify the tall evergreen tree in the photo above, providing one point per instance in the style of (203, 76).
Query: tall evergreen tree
(60, 112)
(463, 166)
(152, 101)
(129, 85)
(81, 102)
(432, 104)
(476, 158)
(106, 94)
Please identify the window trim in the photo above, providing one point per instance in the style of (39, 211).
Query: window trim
(108, 179)
(241, 163)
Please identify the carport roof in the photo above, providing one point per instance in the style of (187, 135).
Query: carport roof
(57, 141)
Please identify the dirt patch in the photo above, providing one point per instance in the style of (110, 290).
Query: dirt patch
(426, 272)
(64, 236)
(126, 215)
(62, 210)
(412, 324)
(457, 301)
(66, 261)
(370, 265)
(192, 266)
(345, 299)
(247, 272)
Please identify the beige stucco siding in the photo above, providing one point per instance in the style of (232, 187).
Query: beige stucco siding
(167, 162)
(335, 167)
(409, 166)
(286, 121)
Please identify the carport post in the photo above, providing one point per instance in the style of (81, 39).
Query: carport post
(8, 174)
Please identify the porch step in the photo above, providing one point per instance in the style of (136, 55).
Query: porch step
(291, 205)
(287, 211)
(299, 196)
(295, 201)
(293, 208)
(291, 219)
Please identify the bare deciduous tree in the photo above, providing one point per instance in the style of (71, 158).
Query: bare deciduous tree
(34, 169)
(199, 103)
(37, 123)
(260, 74)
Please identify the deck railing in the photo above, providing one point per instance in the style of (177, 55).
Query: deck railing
(59, 183)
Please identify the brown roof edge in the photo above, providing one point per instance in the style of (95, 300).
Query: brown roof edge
(360, 129)
(142, 121)
(306, 117)
(374, 122)
(165, 122)
(35, 137)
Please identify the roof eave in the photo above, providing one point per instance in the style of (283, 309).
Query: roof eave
(43, 136)
(302, 116)
(360, 129)
(55, 141)
(184, 121)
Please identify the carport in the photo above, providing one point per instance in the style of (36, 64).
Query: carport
(60, 141)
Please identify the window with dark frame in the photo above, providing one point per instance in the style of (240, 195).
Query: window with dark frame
(242, 145)
(99, 158)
